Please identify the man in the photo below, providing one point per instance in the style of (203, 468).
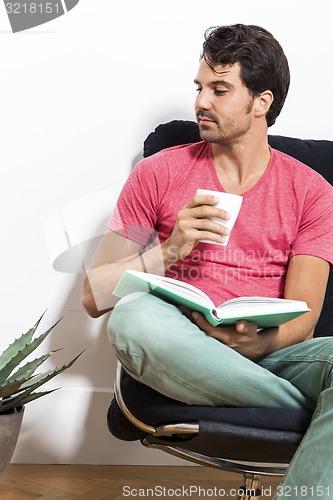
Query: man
(281, 246)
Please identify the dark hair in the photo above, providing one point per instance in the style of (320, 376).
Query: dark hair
(263, 63)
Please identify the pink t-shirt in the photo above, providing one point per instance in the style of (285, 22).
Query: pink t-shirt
(289, 211)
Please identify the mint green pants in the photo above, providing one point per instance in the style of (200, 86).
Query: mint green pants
(160, 347)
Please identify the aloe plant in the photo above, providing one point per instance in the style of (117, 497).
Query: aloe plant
(18, 378)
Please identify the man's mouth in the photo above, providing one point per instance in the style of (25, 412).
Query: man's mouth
(204, 120)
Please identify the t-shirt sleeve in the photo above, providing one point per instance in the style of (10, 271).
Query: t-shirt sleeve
(136, 211)
(315, 231)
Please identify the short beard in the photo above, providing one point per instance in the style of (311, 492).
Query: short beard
(229, 134)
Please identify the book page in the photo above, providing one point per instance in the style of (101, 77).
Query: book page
(260, 300)
(180, 287)
(248, 306)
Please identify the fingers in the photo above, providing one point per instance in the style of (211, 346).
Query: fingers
(199, 229)
(204, 206)
(246, 328)
(242, 327)
(200, 321)
(201, 215)
(186, 312)
(195, 221)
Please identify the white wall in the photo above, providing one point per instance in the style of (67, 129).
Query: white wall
(78, 96)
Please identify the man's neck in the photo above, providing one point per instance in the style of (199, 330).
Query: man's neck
(240, 166)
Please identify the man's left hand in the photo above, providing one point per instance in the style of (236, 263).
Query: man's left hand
(243, 337)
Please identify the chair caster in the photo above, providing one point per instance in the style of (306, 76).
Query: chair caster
(251, 488)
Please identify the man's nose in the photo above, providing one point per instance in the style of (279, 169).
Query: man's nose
(203, 100)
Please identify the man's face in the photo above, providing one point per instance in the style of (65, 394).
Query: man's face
(224, 105)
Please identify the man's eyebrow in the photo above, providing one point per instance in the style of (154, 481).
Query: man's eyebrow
(213, 83)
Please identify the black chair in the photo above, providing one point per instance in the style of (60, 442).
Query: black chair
(254, 441)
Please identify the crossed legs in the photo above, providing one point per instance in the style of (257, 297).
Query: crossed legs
(161, 348)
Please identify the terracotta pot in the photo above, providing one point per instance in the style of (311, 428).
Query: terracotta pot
(10, 425)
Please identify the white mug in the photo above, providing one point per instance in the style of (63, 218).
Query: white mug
(231, 203)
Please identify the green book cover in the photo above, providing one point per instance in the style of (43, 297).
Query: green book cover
(264, 311)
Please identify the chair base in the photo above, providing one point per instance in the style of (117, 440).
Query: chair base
(251, 487)
(252, 471)
(259, 468)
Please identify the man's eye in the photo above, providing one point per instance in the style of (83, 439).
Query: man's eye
(198, 90)
(219, 92)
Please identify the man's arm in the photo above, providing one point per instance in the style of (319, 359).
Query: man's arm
(306, 280)
(114, 255)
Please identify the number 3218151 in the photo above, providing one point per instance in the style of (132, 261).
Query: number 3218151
(303, 491)
(32, 8)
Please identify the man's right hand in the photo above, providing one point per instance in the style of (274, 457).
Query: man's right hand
(193, 224)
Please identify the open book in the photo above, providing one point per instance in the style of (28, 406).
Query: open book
(264, 311)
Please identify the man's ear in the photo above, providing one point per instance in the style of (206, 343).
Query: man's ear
(263, 102)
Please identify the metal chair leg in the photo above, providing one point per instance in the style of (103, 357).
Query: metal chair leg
(251, 488)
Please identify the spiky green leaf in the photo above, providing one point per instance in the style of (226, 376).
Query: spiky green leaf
(28, 369)
(19, 383)
(18, 344)
(32, 385)
(14, 403)
(20, 355)
(42, 378)
(11, 388)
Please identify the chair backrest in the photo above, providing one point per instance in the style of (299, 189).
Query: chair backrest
(317, 154)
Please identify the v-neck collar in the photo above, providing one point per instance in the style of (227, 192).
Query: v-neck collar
(254, 188)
